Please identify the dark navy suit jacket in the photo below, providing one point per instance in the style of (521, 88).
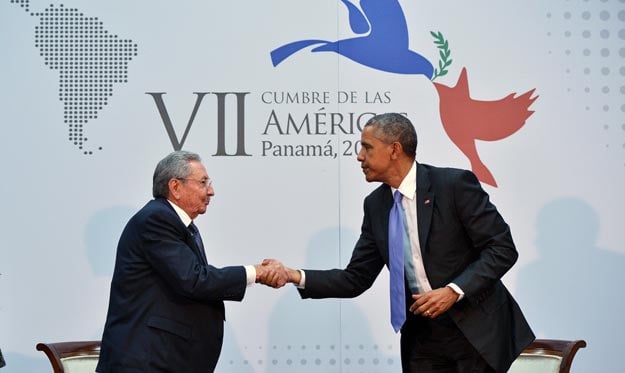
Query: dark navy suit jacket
(463, 240)
(166, 309)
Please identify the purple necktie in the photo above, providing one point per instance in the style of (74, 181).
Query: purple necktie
(396, 263)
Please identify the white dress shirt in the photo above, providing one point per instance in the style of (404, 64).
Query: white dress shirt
(408, 190)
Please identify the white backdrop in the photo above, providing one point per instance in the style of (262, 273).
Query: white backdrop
(560, 177)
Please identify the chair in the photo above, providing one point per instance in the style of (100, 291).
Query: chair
(547, 355)
(72, 357)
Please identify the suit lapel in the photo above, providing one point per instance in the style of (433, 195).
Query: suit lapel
(425, 204)
(199, 251)
(188, 236)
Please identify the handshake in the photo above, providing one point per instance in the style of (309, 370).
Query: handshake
(273, 273)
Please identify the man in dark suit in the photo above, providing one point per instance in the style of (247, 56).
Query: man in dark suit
(456, 314)
(166, 309)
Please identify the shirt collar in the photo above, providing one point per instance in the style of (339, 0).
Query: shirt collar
(408, 186)
(186, 220)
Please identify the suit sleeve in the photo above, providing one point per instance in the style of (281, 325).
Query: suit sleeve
(360, 273)
(488, 233)
(174, 261)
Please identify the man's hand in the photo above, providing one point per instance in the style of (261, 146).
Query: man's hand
(272, 273)
(434, 303)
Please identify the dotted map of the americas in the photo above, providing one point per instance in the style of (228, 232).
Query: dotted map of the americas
(89, 59)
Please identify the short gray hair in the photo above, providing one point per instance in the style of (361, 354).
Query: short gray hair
(174, 166)
(392, 127)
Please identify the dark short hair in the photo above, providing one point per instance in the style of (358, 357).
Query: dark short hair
(174, 166)
(394, 127)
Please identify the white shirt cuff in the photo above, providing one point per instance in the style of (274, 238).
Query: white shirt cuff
(250, 272)
(456, 289)
(302, 280)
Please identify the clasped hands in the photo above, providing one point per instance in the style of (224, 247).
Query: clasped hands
(273, 273)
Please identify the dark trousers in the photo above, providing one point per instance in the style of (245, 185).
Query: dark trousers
(438, 346)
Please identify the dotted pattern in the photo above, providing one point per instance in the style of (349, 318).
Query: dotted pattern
(304, 356)
(23, 3)
(594, 35)
(89, 59)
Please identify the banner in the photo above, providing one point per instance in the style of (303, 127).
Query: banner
(273, 96)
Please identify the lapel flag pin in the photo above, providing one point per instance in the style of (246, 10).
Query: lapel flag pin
(427, 201)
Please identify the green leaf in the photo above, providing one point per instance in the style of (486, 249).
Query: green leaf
(444, 54)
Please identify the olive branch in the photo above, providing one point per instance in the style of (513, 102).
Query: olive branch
(444, 52)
